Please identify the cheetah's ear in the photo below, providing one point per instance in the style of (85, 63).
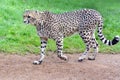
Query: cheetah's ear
(36, 11)
(46, 12)
(27, 10)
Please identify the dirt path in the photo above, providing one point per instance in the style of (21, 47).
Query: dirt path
(15, 67)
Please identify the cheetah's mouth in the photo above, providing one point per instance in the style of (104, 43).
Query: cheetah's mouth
(27, 22)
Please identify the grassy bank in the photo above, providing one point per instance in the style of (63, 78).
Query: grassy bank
(17, 37)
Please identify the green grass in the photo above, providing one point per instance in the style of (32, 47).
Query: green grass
(17, 37)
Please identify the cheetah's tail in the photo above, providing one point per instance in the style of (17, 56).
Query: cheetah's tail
(115, 40)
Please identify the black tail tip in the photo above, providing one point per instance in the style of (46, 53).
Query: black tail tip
(115, 40)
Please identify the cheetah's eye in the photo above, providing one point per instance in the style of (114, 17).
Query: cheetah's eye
(28, 16)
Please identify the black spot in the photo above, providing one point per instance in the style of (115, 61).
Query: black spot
(99, 32)
(43, 46)
(43, 42)
(109, 43)
(93, 42)
(100, 35)
(84, 34)
(58, 41)
(92, 39)
(29, 16)
(96, 44)
(105, 41)
(59, 49)
(100, 28)
(101, 39)
(59, 45)
(86, 41)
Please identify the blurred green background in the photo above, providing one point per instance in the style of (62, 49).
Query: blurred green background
(17, 37)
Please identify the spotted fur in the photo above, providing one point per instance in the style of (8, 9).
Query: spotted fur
(58, 26)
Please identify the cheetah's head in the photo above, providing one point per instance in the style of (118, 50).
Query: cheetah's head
(31, 16)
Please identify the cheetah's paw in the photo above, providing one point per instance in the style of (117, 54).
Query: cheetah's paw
(91, 58)
(63, 57)
(37, 62)
(81, 58)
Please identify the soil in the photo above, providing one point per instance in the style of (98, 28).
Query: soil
(16, 67)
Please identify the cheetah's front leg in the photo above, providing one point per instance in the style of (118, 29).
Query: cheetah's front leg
(43, 47)
(59, 44)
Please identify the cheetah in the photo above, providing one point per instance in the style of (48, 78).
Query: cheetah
(58, 26)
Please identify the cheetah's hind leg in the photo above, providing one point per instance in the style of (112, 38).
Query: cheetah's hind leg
(84, 55)
(94, 45)
(86, 36)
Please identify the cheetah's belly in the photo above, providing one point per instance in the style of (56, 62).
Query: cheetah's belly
(69, 31)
